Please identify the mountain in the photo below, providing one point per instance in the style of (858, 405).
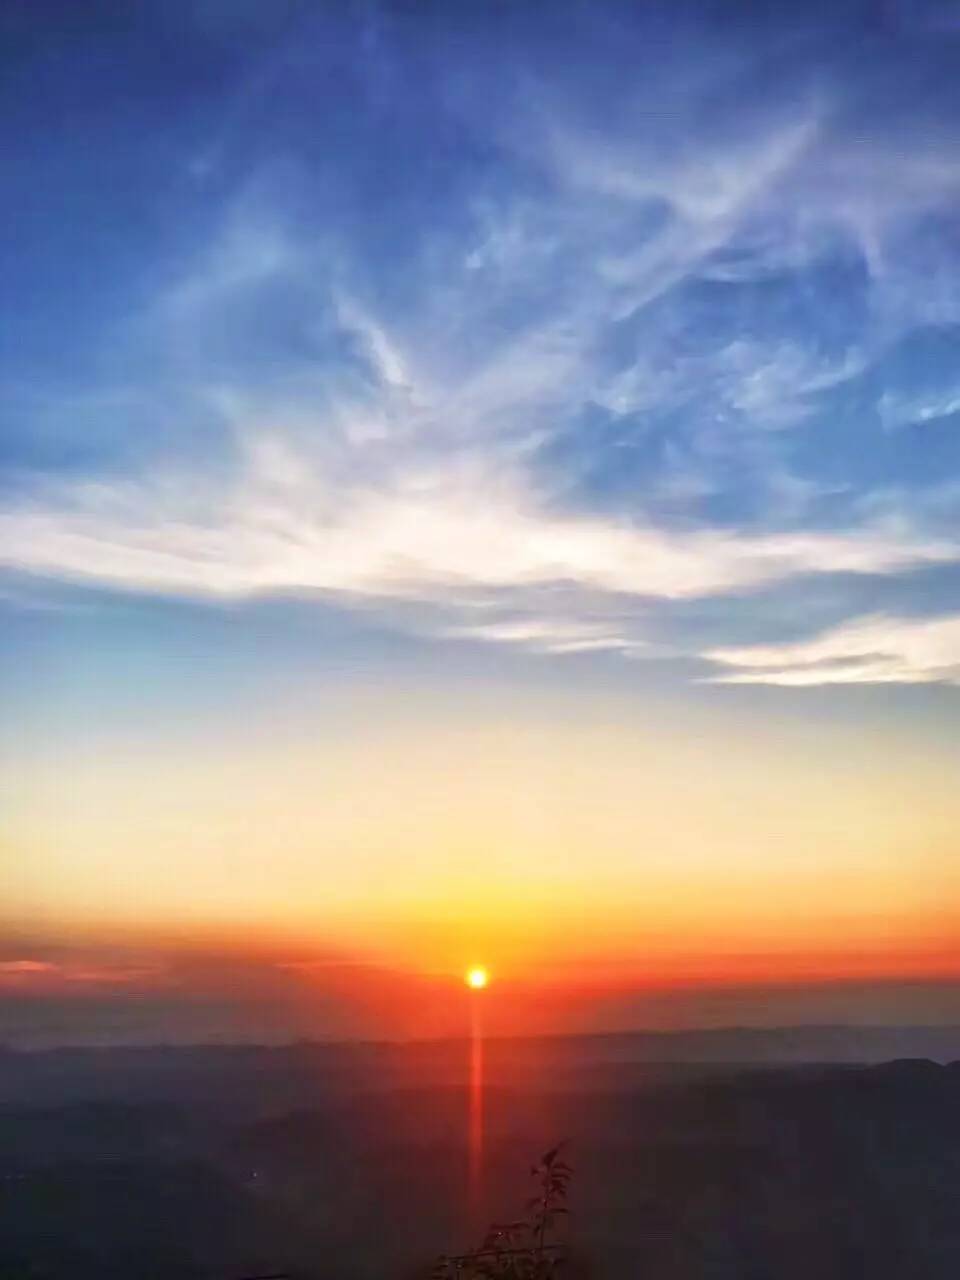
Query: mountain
(349, 1161)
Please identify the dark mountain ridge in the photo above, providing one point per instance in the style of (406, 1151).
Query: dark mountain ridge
(687, 1172)
(244, 1073)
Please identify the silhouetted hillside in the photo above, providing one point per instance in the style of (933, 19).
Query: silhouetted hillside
(250, 1075)
(686, 1174)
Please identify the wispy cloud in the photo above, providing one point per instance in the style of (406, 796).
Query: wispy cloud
(20, 968)
(453, 528)
(621, 361)
(41, 975)
(875, 650)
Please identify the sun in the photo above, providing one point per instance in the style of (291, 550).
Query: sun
(477, 977)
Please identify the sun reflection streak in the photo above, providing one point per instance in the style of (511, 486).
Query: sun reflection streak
(475, 1103)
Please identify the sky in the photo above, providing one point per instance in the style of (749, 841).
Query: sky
(478, 483)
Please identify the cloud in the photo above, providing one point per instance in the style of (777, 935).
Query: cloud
(281, 529)
(872, 650)
(635, 356)
(551, 635)
(38, 976)
(19, 968)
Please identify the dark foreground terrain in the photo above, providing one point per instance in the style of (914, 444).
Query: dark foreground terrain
(345, 1162)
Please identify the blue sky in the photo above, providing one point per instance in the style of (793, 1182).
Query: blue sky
(594, 330)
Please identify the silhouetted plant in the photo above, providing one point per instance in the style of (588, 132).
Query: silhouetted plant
(524, 1250)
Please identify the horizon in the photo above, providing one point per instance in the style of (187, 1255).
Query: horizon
(34, 1024)
(666, 1033)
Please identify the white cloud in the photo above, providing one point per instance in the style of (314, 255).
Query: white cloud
(710, 186)
(387, 362)
(281, 527)
(552, 635)
(900, 408)
(872, 650)
(401, 473)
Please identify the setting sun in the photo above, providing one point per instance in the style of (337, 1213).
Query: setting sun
(477, 977)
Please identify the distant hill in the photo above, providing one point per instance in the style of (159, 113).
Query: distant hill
(243, 1074)
(689, 1172)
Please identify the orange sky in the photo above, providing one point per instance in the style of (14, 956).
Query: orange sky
(602, 851)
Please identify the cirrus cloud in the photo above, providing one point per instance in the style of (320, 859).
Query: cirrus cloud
(676, 357)
(873, 650)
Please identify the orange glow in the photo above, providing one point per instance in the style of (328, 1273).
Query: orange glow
(548, 844)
